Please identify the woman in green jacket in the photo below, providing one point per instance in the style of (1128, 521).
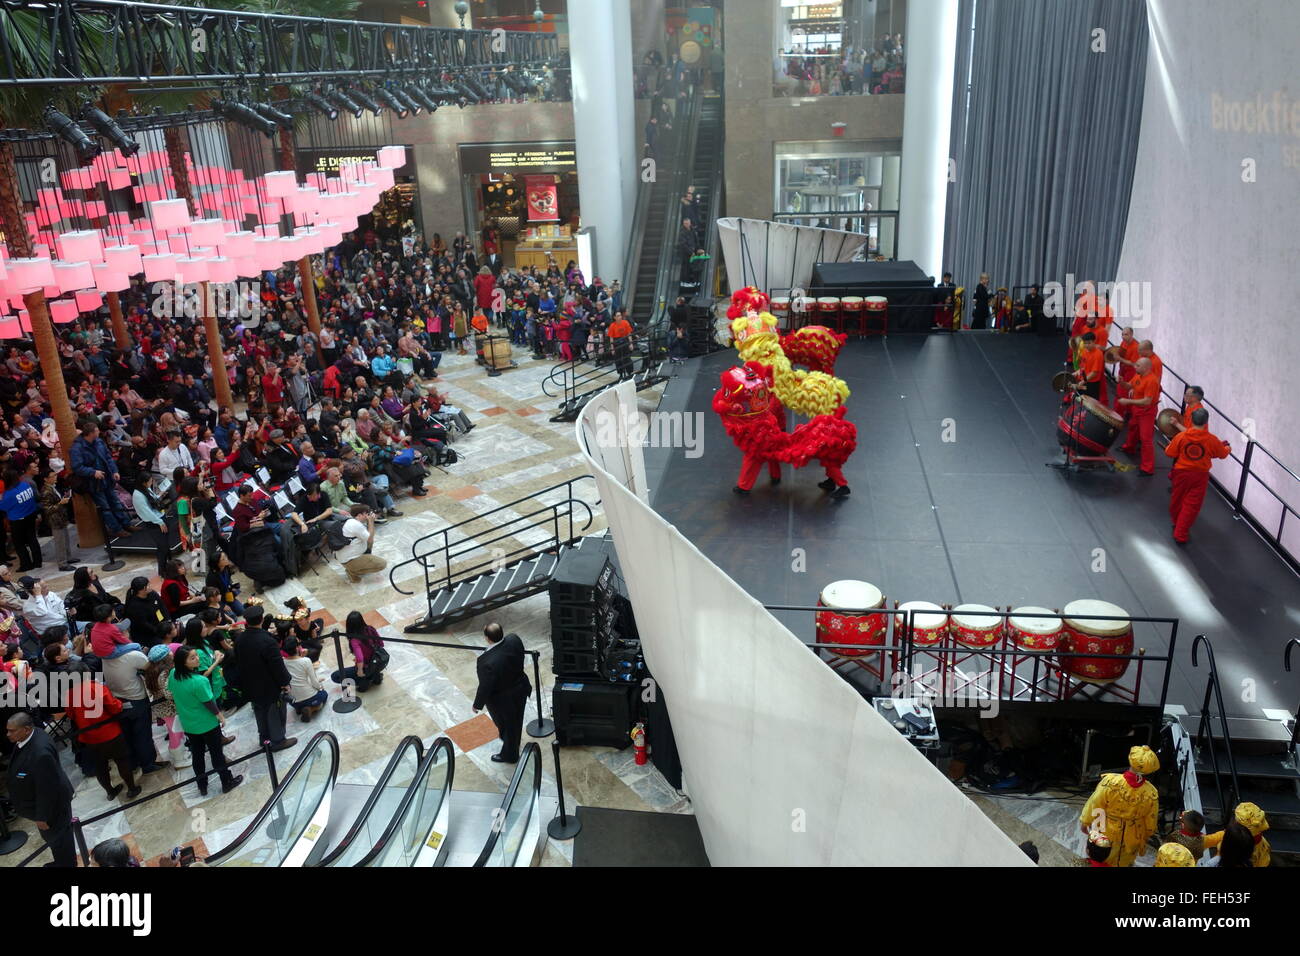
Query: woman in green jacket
(201, 719)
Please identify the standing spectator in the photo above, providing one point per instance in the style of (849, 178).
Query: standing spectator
(147, 510)
(503, 688)
(54, 504)
(620, 336)
(124, 676)
(39, 789)
(93, 466)
(93, 707)
(263, 677)
(201, 719)
(19, 504)
(485, 292)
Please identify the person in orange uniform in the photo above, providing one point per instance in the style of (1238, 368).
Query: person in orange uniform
(480, 325)
(1092, 369)
(1143, 400)
(1105, 318)
(1193, 451)
(1147, 350)
(1128, 356)
(1192, 397)
(620, 337)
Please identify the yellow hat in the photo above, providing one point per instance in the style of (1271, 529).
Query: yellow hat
(1252, 818)
(1174, 854)
(1143, 760)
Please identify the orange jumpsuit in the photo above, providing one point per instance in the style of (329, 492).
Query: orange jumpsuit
(1193, 452)
(1142, 422)
(1092, 370)
(1126, 374)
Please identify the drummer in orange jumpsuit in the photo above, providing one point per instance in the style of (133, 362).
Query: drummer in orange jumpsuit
(1144, 401)
(1192, 396)
(1092, 369)
(1128, 356)
(1192, 451)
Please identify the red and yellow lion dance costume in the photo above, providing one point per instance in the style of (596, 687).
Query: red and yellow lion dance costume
(750, 402)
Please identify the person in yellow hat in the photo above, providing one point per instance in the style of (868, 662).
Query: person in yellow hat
(1252, 818)
(1125, 807)
(1174, 854)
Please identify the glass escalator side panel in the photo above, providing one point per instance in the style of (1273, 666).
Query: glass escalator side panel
(512, 826)
(291, 815)
(391, 790)
(422, 809)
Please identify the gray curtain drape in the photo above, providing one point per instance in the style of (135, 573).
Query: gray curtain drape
(1046, 143)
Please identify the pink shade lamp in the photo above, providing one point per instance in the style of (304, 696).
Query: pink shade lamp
(86, 245)
(89, 301)
(169, 213)
(192, 269)
(63, 311)
(206, 232)
(108, 279)
(280, 183)
(30, 274)
(123, 259)
(221, 269)
(71, 276)
(160, 267)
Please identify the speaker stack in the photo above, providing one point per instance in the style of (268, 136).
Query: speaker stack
(596, 656)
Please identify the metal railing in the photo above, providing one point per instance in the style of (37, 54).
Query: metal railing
(529, 757)
(869, 222)
(576, 381)
(1295, 718)
(557, 518)
(1205, 733)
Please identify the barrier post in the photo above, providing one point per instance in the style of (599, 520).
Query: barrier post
(80, 836)
(344, 705)
(541, 727)
(563, 827)
(10, 840)
(1245, 474)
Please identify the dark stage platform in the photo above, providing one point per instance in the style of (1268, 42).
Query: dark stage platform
(909, 290)
(980, 519)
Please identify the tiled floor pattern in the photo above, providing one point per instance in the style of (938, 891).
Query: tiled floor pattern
(513, 451)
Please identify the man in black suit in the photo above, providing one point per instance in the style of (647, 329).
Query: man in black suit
(504, 688)
(39, 789)
(263, 677)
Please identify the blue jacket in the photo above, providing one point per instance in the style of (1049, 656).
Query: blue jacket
(382, 366)
(90, 457)
(20, 501)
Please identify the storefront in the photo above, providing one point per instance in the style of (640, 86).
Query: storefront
(526, 195)
(397, 213)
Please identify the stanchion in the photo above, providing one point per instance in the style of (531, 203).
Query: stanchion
(80, 836)
(10, 840)
(563, 827)
(344, 705)
(541, 727)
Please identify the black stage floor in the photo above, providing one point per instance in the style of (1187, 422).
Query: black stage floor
(981, 519)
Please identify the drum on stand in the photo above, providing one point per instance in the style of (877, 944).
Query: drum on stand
(497, 354)
(855, 624)
(802, 311)
(1034, 633)
(929, 622)
(1087, 426)
(877, 310)
(1112, 633)
(975, 625)
(781, 309)
(851, 306)
(828, 308)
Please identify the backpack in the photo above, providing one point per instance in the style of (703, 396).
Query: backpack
(334, 533)
(377, 657)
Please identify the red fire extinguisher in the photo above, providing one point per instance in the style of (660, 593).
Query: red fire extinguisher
(638, 741)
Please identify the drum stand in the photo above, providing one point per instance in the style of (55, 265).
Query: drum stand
(1076, 460)
(1074, 687)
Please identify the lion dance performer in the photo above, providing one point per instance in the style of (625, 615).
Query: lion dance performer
(1125, 807)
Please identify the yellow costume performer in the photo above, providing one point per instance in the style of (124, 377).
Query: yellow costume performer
(1174, 854)
(1252, 818)
(1125, 807)
(809, 393)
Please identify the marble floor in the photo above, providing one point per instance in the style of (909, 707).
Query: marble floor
(513, 451)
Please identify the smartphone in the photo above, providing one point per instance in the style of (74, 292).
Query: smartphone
(186, 855)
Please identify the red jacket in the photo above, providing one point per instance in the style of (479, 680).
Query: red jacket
(484, 287)
(90, 702)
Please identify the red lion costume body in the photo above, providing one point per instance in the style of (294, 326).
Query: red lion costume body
(754, 420)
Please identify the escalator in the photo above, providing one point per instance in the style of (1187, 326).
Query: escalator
(410, 817)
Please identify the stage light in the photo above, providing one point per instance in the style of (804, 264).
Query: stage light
(72, 134)
(345, 103)
(274, 115)
(366, 100)
(244, 116)
(404, 97)
(465, 95)
(421, 95)
(323, 105)
(392, 102)
(108, 129)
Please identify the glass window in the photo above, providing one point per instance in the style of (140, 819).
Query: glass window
(841, 185)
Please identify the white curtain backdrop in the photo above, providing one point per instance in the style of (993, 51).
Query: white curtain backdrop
(778, 255)
(785, 763)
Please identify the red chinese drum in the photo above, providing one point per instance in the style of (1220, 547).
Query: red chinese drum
(975, 625)
(1035, 633)
(929, 624)
(781, 310)
(1112, 633)
(853, 624)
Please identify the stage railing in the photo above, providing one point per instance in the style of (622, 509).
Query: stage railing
(810, 314)
(1015, 673)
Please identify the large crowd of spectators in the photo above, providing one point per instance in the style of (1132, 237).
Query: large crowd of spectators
(826, 72)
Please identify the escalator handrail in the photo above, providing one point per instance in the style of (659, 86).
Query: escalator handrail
(280, 791)
(704, 296)
(403, 745)
(508, 800)
(442, 744)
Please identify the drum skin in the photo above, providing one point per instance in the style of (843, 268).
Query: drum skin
(1035, 633)
(929, 626)
(973, 629)
(877, 303)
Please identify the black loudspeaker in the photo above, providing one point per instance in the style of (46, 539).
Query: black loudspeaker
(593, 713)
(623, 661)
(583, 577)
